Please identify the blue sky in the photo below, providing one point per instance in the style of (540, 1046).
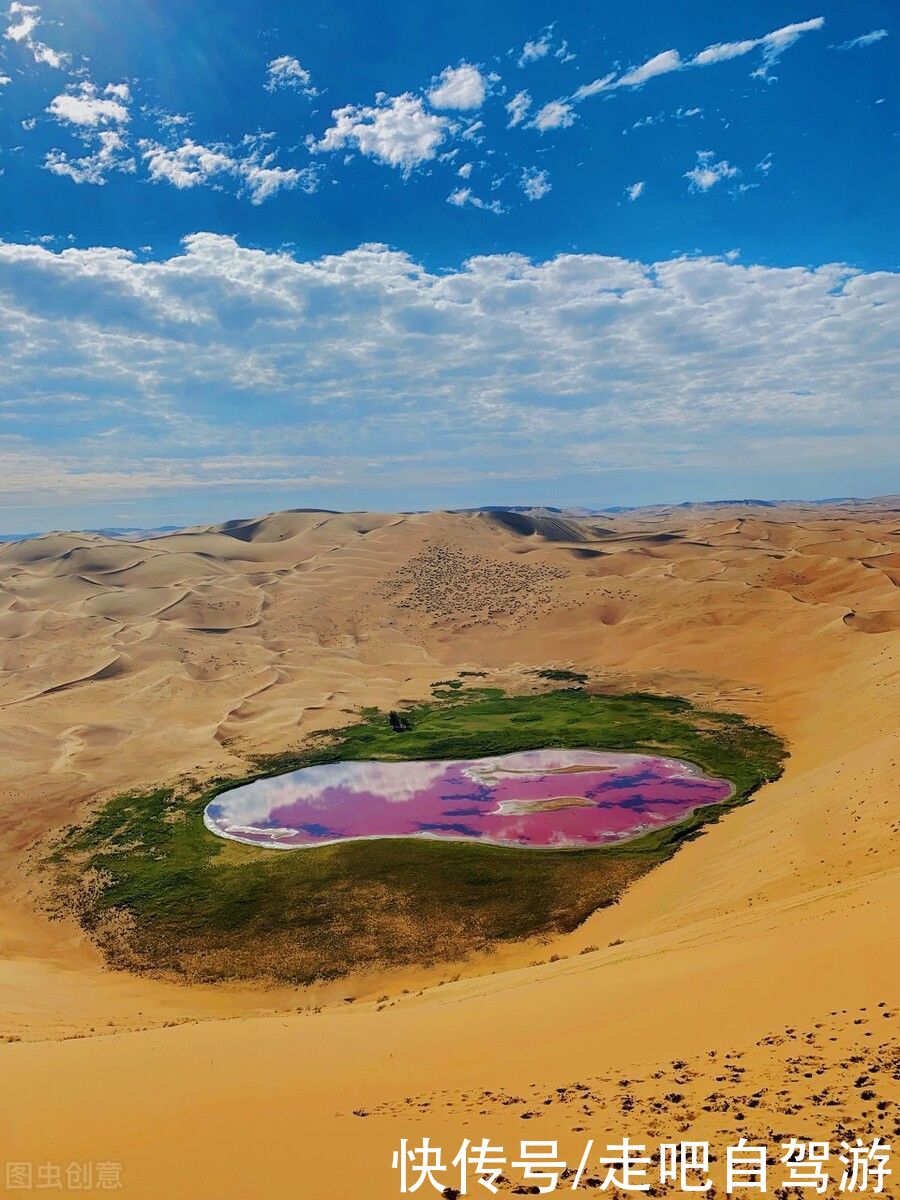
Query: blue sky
(394, 255)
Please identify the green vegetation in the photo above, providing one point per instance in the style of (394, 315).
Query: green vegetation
(559, 675)
(158, 891)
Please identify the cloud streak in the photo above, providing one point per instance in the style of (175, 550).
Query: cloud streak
(772, 45)
(864, 39)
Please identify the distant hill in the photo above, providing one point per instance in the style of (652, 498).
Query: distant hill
(138, 534)
(543, 519)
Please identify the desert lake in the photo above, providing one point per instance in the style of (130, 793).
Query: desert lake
(534, 799)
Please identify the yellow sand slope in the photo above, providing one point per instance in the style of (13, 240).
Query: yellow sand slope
(130, 663)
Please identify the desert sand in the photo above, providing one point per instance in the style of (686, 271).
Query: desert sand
(753, 977)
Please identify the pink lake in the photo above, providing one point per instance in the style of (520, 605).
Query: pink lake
(533, 798)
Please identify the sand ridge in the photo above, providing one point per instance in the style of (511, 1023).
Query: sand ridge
(128, 663)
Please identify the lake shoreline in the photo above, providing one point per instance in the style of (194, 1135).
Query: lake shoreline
(273, 812)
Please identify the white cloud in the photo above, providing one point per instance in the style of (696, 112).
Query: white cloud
(708, 172)
(263, 181)
(524, 370)
(396, 130)
(192, 165)
(4, 80)
(86, 106)
(660, 64)
(535, 50)
(535, 183)
(185, 166)
(461, 87)
(635, 190)
(517, 107)
(539, 48)
(864, 39)
(111, 154)
(23, 20)
(90, 112)
(680, 114)
(465, 170)
(595, 86)
(461, 197)
(772, 44)
(723, 51)
(164, 119)
(285, 73)
(557, 114)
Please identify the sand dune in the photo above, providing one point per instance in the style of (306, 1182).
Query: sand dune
(132, 663)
